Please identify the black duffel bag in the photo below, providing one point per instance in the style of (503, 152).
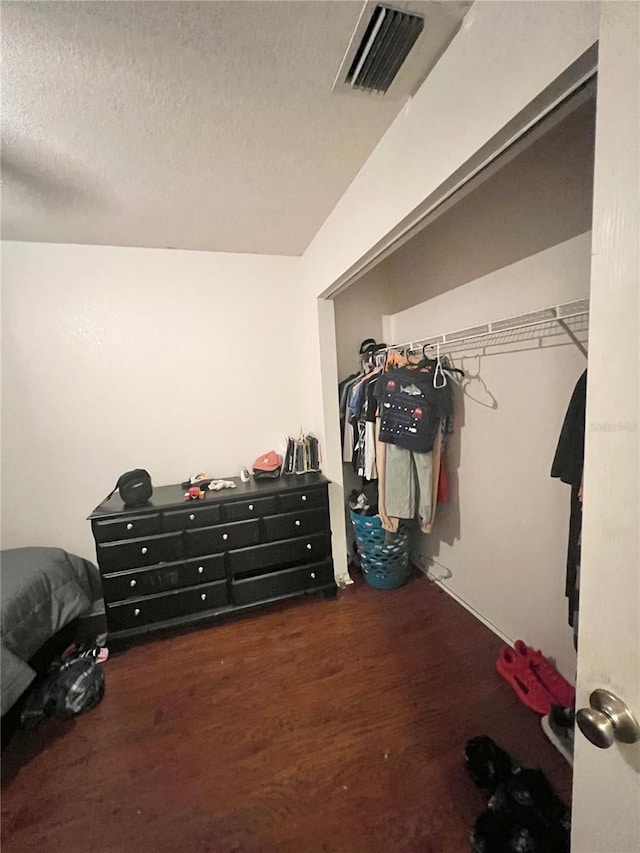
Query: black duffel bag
(134, 487)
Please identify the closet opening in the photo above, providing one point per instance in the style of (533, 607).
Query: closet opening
(514, 242)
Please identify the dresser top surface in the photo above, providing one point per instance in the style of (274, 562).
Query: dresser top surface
(172, 497)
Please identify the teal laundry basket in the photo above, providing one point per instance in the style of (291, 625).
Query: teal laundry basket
(383, 566)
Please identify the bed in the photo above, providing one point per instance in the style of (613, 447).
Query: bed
(43, 590)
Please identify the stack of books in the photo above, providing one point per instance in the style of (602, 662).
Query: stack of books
(301, 455)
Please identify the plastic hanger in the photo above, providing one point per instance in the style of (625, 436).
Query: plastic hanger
(439, 378)
(426, 361)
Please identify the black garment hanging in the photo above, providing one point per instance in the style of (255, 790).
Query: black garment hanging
(568, 465)
(356, 404)
(569, 459)
(573, 555)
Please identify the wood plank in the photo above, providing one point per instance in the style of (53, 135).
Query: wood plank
(318, 726)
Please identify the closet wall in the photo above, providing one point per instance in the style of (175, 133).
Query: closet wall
(359, 312)
(517, 243)
(500, 543)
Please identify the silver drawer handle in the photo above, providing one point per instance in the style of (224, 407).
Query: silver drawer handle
(308, 546)
(144, 550)
(225, 536)
(132, 583)
(250, 506)
(136, 612)
(129, 526)
(204, 596)
(297, 522)
(313, 574)
(304, 497)
(192, 517)
(200, 569)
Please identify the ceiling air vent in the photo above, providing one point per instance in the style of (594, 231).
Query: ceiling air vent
(385, 44)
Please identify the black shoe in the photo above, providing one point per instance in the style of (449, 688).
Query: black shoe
(492, 833)
(488, 765)
(531, 790)
(503, 832)
(535, 810)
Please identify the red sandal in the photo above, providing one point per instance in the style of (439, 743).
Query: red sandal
(562, 692)
(528, 687)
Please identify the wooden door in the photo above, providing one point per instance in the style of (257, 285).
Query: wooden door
(606, 803)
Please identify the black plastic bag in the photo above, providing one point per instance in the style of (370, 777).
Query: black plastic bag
(70, 688)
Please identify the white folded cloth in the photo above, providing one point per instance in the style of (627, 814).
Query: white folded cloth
(217, 485)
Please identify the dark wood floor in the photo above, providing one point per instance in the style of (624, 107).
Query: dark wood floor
(320, 726)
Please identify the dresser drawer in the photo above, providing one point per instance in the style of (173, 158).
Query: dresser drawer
(286, 582)
(239, 510)
(193, 516)
(295, 524)
(207, 540)
(170, 605)
(138, 582)
(304, 499)
(281, 554)
(320, 574)
(140, 552)
(203, 569)
(131, 527)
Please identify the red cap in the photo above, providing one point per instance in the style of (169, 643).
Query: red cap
(268, 461)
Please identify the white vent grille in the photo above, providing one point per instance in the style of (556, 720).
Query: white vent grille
(385, 45)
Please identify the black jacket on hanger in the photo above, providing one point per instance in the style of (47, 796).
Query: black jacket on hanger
(569, 459)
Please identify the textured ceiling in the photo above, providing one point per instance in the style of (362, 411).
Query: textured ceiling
(187, 125)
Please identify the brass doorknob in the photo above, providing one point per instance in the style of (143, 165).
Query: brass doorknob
(607, 720)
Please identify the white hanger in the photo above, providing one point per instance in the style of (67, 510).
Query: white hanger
(439, 371)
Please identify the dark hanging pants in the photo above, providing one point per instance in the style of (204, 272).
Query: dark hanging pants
(573, 554)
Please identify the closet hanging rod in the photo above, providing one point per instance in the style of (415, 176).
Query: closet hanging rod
(559, 313)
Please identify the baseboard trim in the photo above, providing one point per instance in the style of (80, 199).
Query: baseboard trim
(467, 606)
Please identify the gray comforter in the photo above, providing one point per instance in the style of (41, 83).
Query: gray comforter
(42, 589)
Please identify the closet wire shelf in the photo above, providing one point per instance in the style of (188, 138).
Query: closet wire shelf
(542, 328)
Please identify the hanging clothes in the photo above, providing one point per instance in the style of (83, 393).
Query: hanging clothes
(568, 462)
(443, 484)
(357, 412)
(411, 408)
(364, 458)
(568, 466)
(415, 409)
(436, 462)
(346, 429)
(395, 416)
(408, 485)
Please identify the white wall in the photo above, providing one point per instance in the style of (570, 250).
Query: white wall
(503, 535)
(117, 358)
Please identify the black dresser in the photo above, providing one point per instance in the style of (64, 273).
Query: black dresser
(176, 563)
